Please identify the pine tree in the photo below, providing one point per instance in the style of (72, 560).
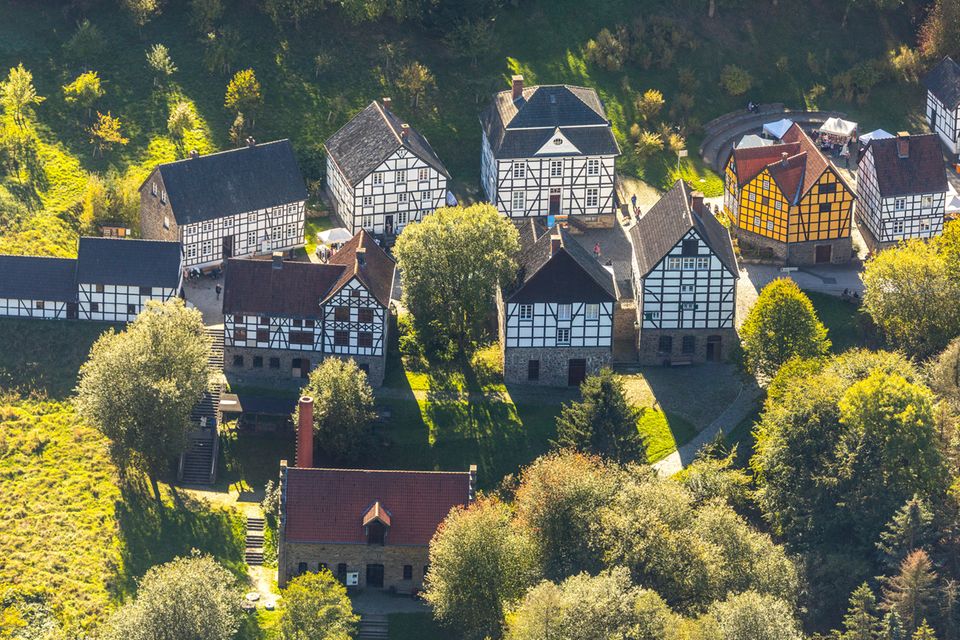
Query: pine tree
(861, 621)
(910, 528)
(912, 592)
(949, 595)
(924, 632)
(892, 627)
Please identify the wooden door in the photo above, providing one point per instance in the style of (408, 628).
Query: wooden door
(554, 203)
(576, 371)
(227, 247)
(375, 576)
(388, 224)
(72, 313)
(824, 253)
(713, 348)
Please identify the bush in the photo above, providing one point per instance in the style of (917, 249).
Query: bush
(735, 80)
(607, 51)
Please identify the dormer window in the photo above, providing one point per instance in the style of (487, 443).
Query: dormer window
(376, 523)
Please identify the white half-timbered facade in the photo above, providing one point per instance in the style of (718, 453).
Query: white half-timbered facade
(901, 189)
(235, 203)
(382, 174)
(943, 102)
(111, 280)
(283, 318)
(685, 279)
(548, 150)
(556, 321)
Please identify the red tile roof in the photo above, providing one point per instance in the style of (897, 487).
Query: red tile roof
(376, 512)
(816, 163)
(329, 505)
(751, 161)
(377, 272)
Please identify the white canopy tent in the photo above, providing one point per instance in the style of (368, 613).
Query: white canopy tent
(953, 201)
(753, 140)
(838, 127)
(337, 235)
(878, 134)
(777, 129)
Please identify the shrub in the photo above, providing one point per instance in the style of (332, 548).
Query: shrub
(607, 51)
(735, 80)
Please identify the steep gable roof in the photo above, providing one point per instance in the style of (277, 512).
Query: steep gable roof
(232, 182)
(376, 273)
(137, 263)
(569, 274)
(330, 505)
(668, 221)
(944, 82)
(38, 278)
(751, 161)
(372, 136)
(922, 171)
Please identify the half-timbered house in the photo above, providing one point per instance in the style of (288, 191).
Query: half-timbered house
(901, 189)
(556, 319)
(110, 280)
(235, 203)
(943, 103)
(281, 318)
(786, 200)
(382, 174)
(549, 150)
(685, 280)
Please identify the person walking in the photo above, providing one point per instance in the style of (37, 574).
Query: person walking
(219, 290)
(596, 251)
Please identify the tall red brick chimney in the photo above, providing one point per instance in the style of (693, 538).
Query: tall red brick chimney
(696, 201)
(517, 86)
(903, 144)
(305, 434)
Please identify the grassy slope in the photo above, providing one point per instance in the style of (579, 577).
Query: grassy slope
(846, 325)
(538, 39)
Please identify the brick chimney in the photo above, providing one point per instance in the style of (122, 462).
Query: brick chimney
(305, 434)
(404, 131)
(278, 259)
(696, 201)
(903, 144)
(387, 101)
(555, 243)
(472, 491)
(361, 256)
(517, 87)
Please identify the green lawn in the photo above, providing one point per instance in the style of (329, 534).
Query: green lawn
(846, 324)
(311, 228)
(415, 626)
(663, 433)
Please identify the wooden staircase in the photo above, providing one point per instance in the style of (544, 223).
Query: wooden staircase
(198, 462)
(373, 626)
(253, 552)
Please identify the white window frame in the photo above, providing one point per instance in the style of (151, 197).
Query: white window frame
(402, 217)
(674, 263)
(563, 335)
(423, 174)
(367, 222)
(593, 167)
(926, 201)
(591, 311)
(519, 169)
(556, 168)
(899, 204)
(593, 197)
(251, 239)
(525, 312)
(153, 189)
(402, 198)
(378, 179)
(899, 227)
(191, 251)
(703, 262)
(564, 311)
(401, 176)
(367, 201)
(206, 247)
(163, 197)
(689, 264)
(518, 201)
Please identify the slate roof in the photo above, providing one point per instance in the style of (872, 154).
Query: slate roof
(669, 220)
(518, 129)
(328, 505)
(38, 278)
(138, 263)
(232, 182)
(571, 274)
(372, 136)
(921, 172)
(298, 289)
(944, 82)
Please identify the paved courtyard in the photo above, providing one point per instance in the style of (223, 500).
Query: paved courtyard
(202, 294)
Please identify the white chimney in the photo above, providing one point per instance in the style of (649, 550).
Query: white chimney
(387, 101)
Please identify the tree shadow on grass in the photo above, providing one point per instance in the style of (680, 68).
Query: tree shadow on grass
(152, 534)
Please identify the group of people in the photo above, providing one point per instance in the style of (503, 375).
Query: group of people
(324, 252)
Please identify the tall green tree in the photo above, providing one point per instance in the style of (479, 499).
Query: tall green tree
(84, 91)
(414, 81)
(911, 297)
(750, 616)
(603, 422)
(193, 597)
(142, 11)
(139, 386)
(924, 632)
(182, 119)
(18, 93)
(861, 621)
(106, 132)
(315, 606)
(158, 57)
(342, 409)
(910, 528)
(912, 592)
(451, 263)
(478, 562)
(780, 326)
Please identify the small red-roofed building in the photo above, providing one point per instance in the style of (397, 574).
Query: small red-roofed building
(371, 529)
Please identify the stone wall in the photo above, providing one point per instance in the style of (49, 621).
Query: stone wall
(602, 221)
(246, 373)
(152, 212)
(650, 353)
(796, 253)
(554, 363)
(356, 557)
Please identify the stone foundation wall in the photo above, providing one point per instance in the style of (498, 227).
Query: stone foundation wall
(247, 373)
(356, 557)
(554, 363)
(796, 253)
(650, 353)
(624, 320)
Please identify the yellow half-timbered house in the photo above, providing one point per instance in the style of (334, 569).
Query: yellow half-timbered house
(787, 199)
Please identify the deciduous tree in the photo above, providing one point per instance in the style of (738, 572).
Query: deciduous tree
(18, 93)
(752, 616)
(142, 11)
(84, 91)
(650, 104)
(315, 606)
(415, 80)
(243, 94)
(139, 386)
(735, 80)
(182, 119)
(106, 132)
(158, 57)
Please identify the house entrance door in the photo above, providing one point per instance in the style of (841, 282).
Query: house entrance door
(72, 311)
(824, 253)
(227, 247)
(375, 576)
(713, 348)
(388, 224)
(576, 371)
(554, 201)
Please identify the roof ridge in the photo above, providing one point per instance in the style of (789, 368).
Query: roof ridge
(409, 471)
(222, 152)
(383, 114)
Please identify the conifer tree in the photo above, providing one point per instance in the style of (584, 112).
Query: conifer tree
(912, 592)
(861, 621)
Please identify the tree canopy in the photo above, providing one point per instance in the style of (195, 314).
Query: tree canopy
(315, 606)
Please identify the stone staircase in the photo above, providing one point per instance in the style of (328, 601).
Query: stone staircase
(253, 552)
(198, 462)
(373, 626)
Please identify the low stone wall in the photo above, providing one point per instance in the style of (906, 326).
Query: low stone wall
(796, 253)
(247, 372)
(554, 363)
(650, 353)
(356, 557)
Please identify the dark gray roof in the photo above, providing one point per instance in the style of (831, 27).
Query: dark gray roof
(136, 263)
(518, 129)
(37, 278)
(372, 136)
(231, 182)
(570, 274)
(944, 81)
(922, 171)
(665, 224)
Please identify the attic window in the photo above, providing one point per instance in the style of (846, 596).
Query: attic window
(553, 98)
(558, 141)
